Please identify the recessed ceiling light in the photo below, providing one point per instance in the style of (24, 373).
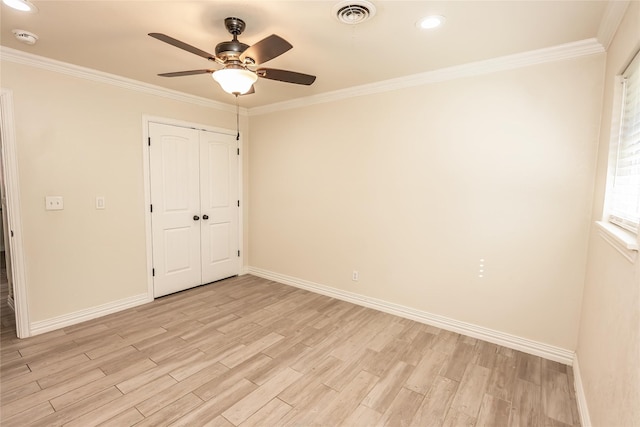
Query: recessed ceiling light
(21, 5)
(430, 22)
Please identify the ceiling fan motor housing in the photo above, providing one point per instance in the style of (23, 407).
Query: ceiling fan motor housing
(232, 49)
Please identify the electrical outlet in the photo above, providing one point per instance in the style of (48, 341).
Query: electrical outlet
(355, 275)
(100, 202)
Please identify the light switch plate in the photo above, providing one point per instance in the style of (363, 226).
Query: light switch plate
(100, 202)
(54, 203)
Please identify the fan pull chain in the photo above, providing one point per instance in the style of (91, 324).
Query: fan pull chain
(237, 118)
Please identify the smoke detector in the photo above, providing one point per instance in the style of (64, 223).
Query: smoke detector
(354, 11)
(25, 36)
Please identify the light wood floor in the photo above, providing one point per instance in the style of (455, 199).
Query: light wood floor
(247, 351)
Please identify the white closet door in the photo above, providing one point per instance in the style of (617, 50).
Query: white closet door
(219, 206)
(175, 197)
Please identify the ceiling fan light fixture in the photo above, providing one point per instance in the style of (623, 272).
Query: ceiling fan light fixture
(235, 80)
(21, 5)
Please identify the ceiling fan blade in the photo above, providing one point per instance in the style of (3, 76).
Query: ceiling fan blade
(286, 76)
(182, 45)
(266, 49)
(186, 73)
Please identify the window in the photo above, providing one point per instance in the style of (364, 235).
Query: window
(623, 194)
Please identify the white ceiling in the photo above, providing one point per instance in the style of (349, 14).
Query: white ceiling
(111, 36)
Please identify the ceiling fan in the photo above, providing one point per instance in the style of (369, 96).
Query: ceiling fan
(239, 60)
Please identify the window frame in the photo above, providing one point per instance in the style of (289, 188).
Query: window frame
(625, 237)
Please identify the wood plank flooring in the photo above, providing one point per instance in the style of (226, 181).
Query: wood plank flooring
(250, 352)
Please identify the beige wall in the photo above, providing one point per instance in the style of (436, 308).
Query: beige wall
(609, 340)
(80, 139)
(413, 187)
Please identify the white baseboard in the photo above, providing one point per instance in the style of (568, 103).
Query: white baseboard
(581, 399)
(65, 320)
(536, 348)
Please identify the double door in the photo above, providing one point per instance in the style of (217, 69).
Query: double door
(194, 203)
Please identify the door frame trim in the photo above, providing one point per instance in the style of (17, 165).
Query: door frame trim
(146, 169)
(12, 187)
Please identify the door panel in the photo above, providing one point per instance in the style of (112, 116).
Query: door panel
(178, 244)
(219, 201)
(218, 156)
(218, 233)
(175, 197)
(176, 180)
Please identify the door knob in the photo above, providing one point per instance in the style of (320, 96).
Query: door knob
(196, 217)
(205, 216)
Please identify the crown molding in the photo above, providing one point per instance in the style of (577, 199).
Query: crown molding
(24, 58)
(509, 62)
(610, 22)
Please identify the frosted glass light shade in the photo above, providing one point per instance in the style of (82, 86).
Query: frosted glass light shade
(235, 80)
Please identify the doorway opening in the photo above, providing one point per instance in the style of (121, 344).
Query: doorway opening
(16, 292)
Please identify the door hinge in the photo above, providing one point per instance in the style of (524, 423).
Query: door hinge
(153, 272)
(149, 141)
(11, 233)
(151, 206)
(238, 203)
(238, 253)
(238, 151)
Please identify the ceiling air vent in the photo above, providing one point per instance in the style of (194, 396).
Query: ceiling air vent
(354, 11)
